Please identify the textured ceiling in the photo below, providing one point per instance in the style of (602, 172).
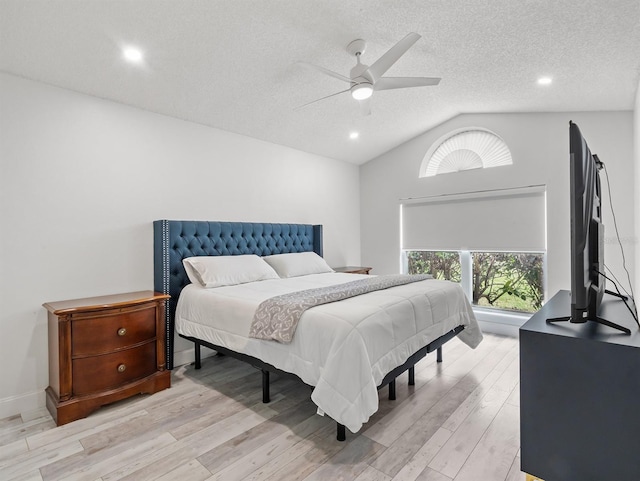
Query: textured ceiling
(232, 64)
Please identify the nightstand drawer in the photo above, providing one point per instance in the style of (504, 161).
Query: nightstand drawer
(99, 373)
(112, 330)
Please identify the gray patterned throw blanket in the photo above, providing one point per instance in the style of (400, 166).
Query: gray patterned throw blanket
(277, 317)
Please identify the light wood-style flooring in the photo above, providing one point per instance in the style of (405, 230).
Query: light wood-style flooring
(459, 422)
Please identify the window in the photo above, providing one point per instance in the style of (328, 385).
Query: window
(441, 265)
(509, 281)
(465, 149)
(492, 242)
(496, 280)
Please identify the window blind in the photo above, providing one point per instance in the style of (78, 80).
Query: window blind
(511, 220)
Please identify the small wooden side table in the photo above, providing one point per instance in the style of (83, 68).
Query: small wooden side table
(353, 269)
(104, 349)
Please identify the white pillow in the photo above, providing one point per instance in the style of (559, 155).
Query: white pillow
(298, 264)
(218, 271)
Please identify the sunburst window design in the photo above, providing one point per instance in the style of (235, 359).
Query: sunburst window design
(466, 149)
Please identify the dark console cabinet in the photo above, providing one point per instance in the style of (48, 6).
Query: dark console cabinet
(580, 396)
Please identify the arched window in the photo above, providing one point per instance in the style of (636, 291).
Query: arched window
(465, 149)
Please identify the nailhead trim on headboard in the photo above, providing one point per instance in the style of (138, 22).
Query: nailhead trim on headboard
(165, 290)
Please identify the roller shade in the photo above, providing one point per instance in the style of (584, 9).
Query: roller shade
(510, 220)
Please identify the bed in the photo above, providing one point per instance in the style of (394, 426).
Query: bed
(345, 350)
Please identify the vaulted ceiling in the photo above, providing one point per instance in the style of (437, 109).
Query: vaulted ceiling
(232, 64)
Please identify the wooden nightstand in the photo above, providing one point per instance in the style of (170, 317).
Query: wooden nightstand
(104, 349)
(353, 269)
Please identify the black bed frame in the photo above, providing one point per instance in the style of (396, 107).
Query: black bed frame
(176, 240)
(389, 379)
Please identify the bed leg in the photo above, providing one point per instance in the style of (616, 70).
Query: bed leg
(412, 376)
(196, 347)
(265, 387)
(392, 390)
(342, 433)
(439, 354)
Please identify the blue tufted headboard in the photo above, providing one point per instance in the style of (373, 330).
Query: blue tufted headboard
(174, 240)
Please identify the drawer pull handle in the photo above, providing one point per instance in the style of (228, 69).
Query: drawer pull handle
(121, 368)
(122, 331)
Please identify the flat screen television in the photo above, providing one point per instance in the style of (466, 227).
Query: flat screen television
(587, 234)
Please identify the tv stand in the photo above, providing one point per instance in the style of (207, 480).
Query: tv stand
(579, 395)
(611, 293)
(597, 319)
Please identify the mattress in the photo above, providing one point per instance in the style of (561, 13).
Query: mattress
(344, 349)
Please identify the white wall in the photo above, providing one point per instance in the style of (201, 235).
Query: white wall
(539, 145)
(636, 136)
(82, 179)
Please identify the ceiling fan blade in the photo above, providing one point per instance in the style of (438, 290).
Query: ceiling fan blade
(322, 98)
(387, 83)
(365, 106)
(326, 71)
(380, 66)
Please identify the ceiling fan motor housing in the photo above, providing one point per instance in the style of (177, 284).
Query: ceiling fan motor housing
(361, 85)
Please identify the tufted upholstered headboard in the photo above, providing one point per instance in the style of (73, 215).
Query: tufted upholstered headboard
(174, 240)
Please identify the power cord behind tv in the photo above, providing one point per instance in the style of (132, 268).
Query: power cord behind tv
(634, 310)
(624, 298)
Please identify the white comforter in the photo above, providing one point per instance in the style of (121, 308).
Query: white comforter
(344, 348)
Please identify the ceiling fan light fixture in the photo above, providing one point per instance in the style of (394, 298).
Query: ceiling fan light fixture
(362, 91)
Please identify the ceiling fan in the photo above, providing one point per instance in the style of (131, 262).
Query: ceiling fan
(365, 79)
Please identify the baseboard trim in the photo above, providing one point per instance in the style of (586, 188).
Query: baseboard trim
(498, 328)
(13, 405)
(32, 401)
(504, 323)
(188, 355)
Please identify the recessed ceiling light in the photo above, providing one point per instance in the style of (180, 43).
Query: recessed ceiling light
(544, 81)
(132, 54)
(354, 135)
